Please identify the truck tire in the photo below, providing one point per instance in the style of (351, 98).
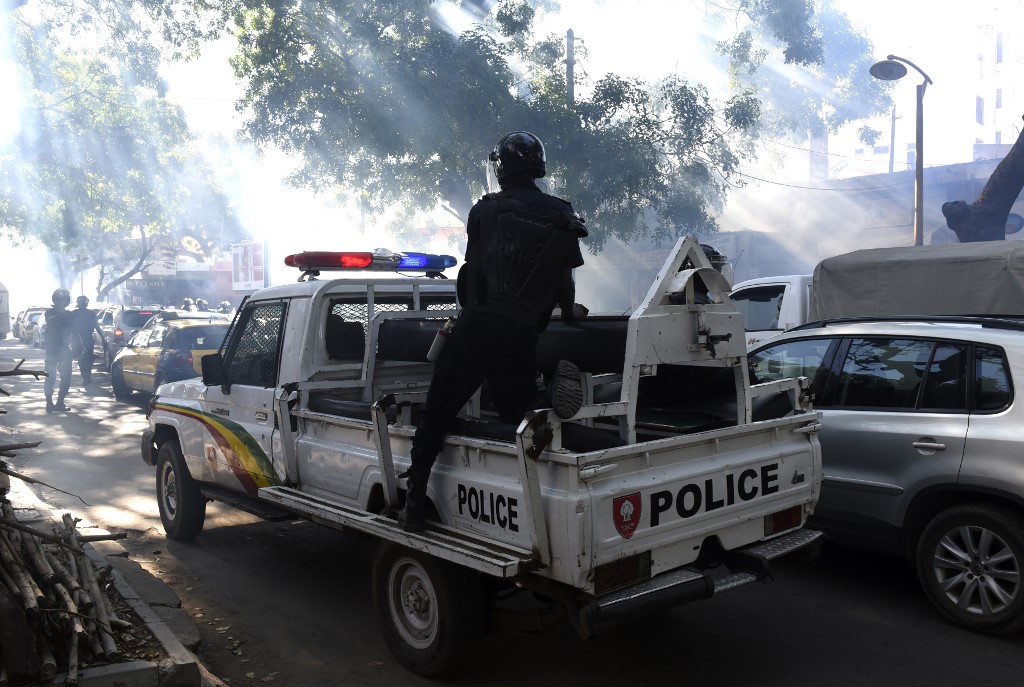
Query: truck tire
(970, 559)
(182, 506)
(117, 383)
(429, 610)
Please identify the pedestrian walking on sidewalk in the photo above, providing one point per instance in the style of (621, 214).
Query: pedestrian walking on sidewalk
(57, 360)
(84, 324)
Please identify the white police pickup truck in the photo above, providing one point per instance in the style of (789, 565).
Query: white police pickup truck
(661, 490)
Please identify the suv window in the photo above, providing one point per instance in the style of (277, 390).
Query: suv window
(759, 306)
(882, 373)
(945, 385)
(789, 359)
(992, 380)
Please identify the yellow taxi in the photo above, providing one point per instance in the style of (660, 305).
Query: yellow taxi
(168, 348)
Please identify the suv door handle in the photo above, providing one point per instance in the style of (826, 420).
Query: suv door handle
(929, 445)
(220, 411)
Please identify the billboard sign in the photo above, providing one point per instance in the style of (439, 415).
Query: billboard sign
(247, 273)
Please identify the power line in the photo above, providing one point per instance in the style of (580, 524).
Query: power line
(819, 188)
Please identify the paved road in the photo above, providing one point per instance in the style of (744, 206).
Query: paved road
(288, 603)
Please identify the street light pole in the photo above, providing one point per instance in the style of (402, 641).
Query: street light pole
(891, 69)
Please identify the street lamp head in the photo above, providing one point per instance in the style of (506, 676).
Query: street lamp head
(888, 70)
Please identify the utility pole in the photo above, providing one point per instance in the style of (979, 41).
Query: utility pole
(570, 60)
(892, 139)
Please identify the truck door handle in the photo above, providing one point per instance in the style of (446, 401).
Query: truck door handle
(929, 445)
(221, 411)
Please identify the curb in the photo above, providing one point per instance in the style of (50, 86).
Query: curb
(181, 668)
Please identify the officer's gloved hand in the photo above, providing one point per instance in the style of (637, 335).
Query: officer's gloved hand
(579, 311)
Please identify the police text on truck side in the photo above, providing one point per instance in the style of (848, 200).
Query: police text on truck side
(694, 497)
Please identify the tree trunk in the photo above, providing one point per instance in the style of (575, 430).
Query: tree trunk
(985, 218)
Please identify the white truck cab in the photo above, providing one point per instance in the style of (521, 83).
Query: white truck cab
(771, 305)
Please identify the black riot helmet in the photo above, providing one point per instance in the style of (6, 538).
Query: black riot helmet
(61, 298)
(82, 301)
(519, 151)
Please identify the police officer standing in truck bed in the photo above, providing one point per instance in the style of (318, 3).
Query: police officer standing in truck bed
(522, 247)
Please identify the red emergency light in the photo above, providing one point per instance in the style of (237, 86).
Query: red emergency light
(327, 260)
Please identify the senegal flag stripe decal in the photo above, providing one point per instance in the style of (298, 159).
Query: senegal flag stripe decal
(246, 458)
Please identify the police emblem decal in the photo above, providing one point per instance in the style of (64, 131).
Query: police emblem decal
(626, 514)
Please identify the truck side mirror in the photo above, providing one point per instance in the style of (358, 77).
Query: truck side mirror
(213, 371)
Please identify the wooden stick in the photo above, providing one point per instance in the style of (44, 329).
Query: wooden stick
(87, 573)
(72, 677)
(71, 607)
(15, 525)
(9, 582)
(47, 662)
(28, 596)
(63, 574)
(38, 560)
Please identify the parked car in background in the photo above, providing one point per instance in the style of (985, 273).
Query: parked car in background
(29, 323)
(39, 333)
(921, 449)
(118, 324)
(16, 325)
(168, 348)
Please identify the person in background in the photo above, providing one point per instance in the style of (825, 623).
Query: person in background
(202, 305)
(83, 325)
(57, 360)
(225, 307)
(188, 305)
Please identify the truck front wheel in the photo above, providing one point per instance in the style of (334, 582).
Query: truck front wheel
(970, 560)
(182, 506)
(429, 610)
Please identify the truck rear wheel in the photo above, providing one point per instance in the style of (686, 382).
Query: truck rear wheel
(182, 506)
(429, 610)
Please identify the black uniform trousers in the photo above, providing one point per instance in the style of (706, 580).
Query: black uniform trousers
(483, 346)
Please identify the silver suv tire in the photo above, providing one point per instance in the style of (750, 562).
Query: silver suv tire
(970, 559)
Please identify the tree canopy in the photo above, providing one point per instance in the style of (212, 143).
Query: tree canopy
(102, 165)
(390, 104)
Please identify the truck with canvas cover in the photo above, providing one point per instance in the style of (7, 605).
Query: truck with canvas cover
(677, 479)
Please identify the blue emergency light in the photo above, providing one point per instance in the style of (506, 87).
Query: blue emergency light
(424, 261)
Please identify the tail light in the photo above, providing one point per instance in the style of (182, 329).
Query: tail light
(788, 519)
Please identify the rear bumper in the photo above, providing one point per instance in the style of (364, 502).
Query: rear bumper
(742, 566)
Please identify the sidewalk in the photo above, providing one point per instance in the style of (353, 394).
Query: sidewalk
(152, 600)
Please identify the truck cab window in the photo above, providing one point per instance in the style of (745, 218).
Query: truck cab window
(760, 306)
(253, 351)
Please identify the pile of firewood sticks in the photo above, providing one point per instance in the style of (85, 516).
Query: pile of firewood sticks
(54, 612)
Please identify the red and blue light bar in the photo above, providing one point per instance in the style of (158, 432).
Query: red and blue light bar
(379, 259)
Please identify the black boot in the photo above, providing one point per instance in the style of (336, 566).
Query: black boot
(412, 517)
(566, 390)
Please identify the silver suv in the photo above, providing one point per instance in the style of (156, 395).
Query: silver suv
(922, 450)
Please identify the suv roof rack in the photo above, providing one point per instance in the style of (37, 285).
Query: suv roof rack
(1010, 322)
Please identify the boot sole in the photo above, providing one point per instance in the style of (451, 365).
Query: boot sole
(566, 389)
